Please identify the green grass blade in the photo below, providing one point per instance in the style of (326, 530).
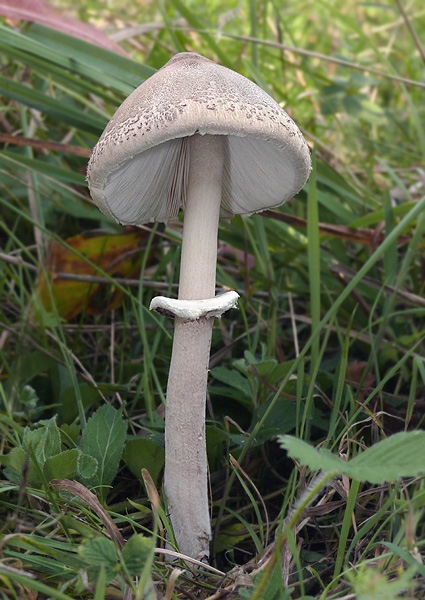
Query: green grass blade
(346, 525)
(313, 251)
(62, 110)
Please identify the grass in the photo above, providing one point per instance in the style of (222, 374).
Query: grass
(327, 347)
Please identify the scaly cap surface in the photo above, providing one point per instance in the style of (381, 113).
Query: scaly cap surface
(138, 169)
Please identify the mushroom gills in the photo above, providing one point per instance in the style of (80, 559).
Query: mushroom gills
(250, 181)
(163, 189)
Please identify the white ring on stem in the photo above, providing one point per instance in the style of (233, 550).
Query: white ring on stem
(192, 310)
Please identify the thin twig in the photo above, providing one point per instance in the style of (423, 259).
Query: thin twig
(120, 280)
(17, 140)
(293, 324)
(300, 51)
(411, 29)
(318, 55)
(17, 260)
(359, 235)
(387, 289)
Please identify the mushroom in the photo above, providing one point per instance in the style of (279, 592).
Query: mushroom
(203, 138)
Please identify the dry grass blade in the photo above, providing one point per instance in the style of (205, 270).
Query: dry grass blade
(361, 236)
(79, 490)
(346, 272)
(12, 570)
(194, 561)
(151, 490)
(16, 140)
(248, 478)
(17, 260)
(172, 583)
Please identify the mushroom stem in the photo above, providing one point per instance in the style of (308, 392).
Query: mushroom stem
(186, 469)
(201, 214)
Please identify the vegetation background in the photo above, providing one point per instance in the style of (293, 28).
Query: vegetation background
(327, 346)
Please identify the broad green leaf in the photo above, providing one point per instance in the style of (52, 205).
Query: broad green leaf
(62, 466)
(216, 438)
(317, 459)
(401, 455)
(29, 365)
(234, 535)
(279, 372)
(32, 437)
(372, 113)
(371, 583)
(68, 400)
(69, 434)
(234, 379)
(274, 589)
(103, 439)
(15, 461)
(29, 397)
(87, 466)
(237, 387)
(50, 443)
(136, 552)
(144, 453)
(44, 441)
(281, 419)
(264, 367)
(98, 551)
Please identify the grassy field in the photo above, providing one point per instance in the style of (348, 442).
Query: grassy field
(316, 391)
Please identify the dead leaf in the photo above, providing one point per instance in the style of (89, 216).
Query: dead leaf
(39, 11)
(355, 371)
(84, 494)
(119, 255)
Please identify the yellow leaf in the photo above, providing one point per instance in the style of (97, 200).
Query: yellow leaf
(119, 255)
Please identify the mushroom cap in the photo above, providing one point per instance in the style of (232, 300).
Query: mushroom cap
(138, 169)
